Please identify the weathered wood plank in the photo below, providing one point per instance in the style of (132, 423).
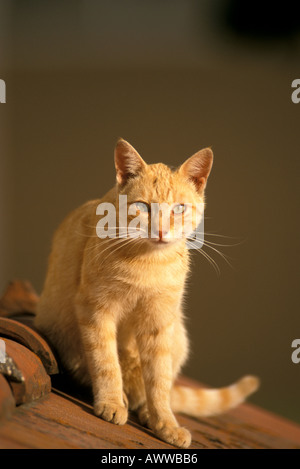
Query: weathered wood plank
(36, 382)
(7, 401)
(63, 418)
(60, 421)
(28, 337)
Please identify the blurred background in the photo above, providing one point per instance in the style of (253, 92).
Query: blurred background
(170, 77)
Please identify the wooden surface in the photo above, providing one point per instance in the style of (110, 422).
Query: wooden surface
(61, 421)
(31, 339)
(45, 409)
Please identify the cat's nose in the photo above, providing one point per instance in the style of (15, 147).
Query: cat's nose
(160, 234)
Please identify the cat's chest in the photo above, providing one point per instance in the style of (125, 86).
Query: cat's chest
(142, 289)
(154, 276)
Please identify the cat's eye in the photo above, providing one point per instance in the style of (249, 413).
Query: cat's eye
(141, 207)
(178, 209)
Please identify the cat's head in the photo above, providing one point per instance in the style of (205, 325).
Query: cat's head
(163, 205)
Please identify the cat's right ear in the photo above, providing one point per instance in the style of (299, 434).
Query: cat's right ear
(128, 162)
(197, 168)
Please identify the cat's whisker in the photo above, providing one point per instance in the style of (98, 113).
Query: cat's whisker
(116, 241)
(128, 228)
(207, 244)
(206, 233)
(220, 254)
(210, 260)
(113, 240)
(224, 245)
(101, 242)
(101, 251)
(125, 243)
(110, 238)
(86, 235)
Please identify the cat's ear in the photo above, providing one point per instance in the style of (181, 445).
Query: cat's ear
(128, 162)
(198, 167)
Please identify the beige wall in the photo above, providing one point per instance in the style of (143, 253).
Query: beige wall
(65, 119)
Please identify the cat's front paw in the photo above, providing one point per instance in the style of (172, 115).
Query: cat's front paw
(177, 436)
(111, 412)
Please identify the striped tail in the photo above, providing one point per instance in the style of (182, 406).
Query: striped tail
(208, 402)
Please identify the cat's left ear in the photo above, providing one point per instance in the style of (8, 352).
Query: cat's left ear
(128, 162)
(197, 168)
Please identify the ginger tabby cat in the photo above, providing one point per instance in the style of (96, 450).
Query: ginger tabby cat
(113, 307)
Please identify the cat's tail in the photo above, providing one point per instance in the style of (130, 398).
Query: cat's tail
(207, 402)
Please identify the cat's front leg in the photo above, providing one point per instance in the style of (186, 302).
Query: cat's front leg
(156, 358)
(98, 333)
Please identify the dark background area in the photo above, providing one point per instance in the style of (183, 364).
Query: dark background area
(170, 77)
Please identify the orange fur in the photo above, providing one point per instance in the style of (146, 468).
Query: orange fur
(113, 308)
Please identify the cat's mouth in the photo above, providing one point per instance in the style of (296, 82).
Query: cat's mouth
(161, 242)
